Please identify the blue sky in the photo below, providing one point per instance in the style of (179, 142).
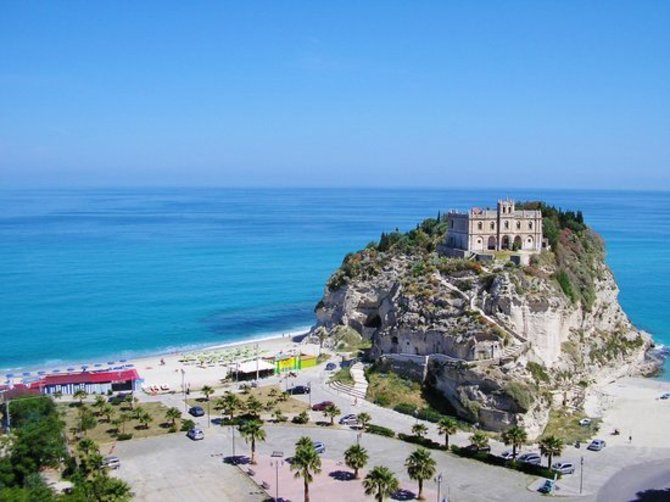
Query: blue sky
(445, 94)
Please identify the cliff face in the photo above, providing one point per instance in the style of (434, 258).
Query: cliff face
(502, 343)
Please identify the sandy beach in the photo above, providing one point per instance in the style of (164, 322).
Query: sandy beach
(633, 406)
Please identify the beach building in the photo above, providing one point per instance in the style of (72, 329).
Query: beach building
(98, 382)
(293, 362)
(504, 228)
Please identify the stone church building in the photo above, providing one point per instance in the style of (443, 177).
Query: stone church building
(495, 229)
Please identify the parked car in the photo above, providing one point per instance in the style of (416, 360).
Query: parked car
(507, 455)
(596, 445)
(349, 419)
(666, 395)
(319, 446)
(563, 467)
(196, 434)
(331, 366)
(119, 398)
(547, 487)
(322, 405)
(111, 462)
(530, 458)
(299, 389)
(585, 422)
(474, 449)
(197, 411)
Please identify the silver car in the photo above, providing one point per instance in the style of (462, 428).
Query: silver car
(596, 445)
(563, 467)
(111, 462)
(531, 458)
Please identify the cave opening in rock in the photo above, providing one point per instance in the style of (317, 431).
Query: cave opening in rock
(373, 321)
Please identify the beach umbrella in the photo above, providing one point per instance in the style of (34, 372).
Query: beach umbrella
(122, 360)
(130, 365)
(27, 373)
(97, 365)
(118, 368)
(41, 372)
(55, 371)
(10, 375)
(71, 369)
(84, 367)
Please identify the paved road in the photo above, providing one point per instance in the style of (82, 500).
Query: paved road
(644, 482)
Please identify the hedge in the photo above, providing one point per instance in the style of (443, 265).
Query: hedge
(487, 458)
(421, 441)
(378, 429)
(427, 413)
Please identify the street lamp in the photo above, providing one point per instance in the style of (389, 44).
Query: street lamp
(438, 480)
(581, 475)
(232, 430)
(359, 434)
(278, 456)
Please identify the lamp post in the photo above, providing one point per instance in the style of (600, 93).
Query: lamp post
(581, 475)
(257, 372)
(359, 434)
(310, 394)
(183, 389)
(278, 456)
(232, 432)
(438, 480)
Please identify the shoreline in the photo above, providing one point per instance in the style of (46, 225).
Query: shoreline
(150, 354)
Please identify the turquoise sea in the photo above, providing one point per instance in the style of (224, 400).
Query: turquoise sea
(91, 275)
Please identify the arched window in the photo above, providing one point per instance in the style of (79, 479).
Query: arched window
(518, 225)
(493, 225)
(480, 226)
(506, 225)
(530, 225)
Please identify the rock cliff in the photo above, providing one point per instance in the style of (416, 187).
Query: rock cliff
(503, 343)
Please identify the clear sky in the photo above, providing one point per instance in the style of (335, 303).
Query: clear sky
(285, 93)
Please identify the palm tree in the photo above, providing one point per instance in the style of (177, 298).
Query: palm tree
(145, 418)
(254, 406)
(207, 391)
(279, 416)
(122, 420)
(230, 403)
(89, 456)
(80, 394)
(58, 394)
(447, 426)
(380, 482)
(420, 466)
(479, 440)
(355, 457)
(305, 441)
(173, 414)
(99, 404)
(364, 419)
(550, 446)
(252, 431)
(107, 412)
(86, 419)
(419, 430)
(306, 463)
(331, 411)
(515, 436)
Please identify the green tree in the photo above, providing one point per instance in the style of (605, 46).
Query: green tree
(279, 416)
(206, 391)
(99, 404)
(516, 437)
(479, 440)
(252, 431)
(90, 459)
(356, 457)
(447, 426)
(419, 430)
(364, 419)
(550, 446)
(145, 418)
(58, 394)
(85, 419)
(420, 466)
(107, 412)
(254, 406)
(380, 482)
(102, 488)
(306, 463)
(230, 404)
(173, 414)
(80, 394)
(331, 411)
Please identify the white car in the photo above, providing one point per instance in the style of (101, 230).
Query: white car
(196, 434)
(531, 458)
(563, 467)
(111, 462)
(507, 455)
(585, 422)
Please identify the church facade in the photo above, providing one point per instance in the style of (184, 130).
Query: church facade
(503, 228)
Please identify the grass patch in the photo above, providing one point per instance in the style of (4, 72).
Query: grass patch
(388, 390)
(566, 426)
(105, 432)
(343, 375)
(268, 395)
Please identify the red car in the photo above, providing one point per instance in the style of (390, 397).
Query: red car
(321, 406)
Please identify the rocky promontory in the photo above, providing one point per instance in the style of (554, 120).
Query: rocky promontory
(502, 342)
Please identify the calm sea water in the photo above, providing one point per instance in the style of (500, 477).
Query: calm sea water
(94, 274)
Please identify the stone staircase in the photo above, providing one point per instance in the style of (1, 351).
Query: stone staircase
(360, 387)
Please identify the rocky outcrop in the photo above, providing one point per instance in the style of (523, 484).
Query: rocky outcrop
(503, 342)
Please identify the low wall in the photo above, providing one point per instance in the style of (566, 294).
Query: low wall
(406, 365)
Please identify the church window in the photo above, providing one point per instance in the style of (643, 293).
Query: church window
(452, 223)
(518, 225)
(493, 225)
(530, 225)
(479, 226)
(506, 225)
